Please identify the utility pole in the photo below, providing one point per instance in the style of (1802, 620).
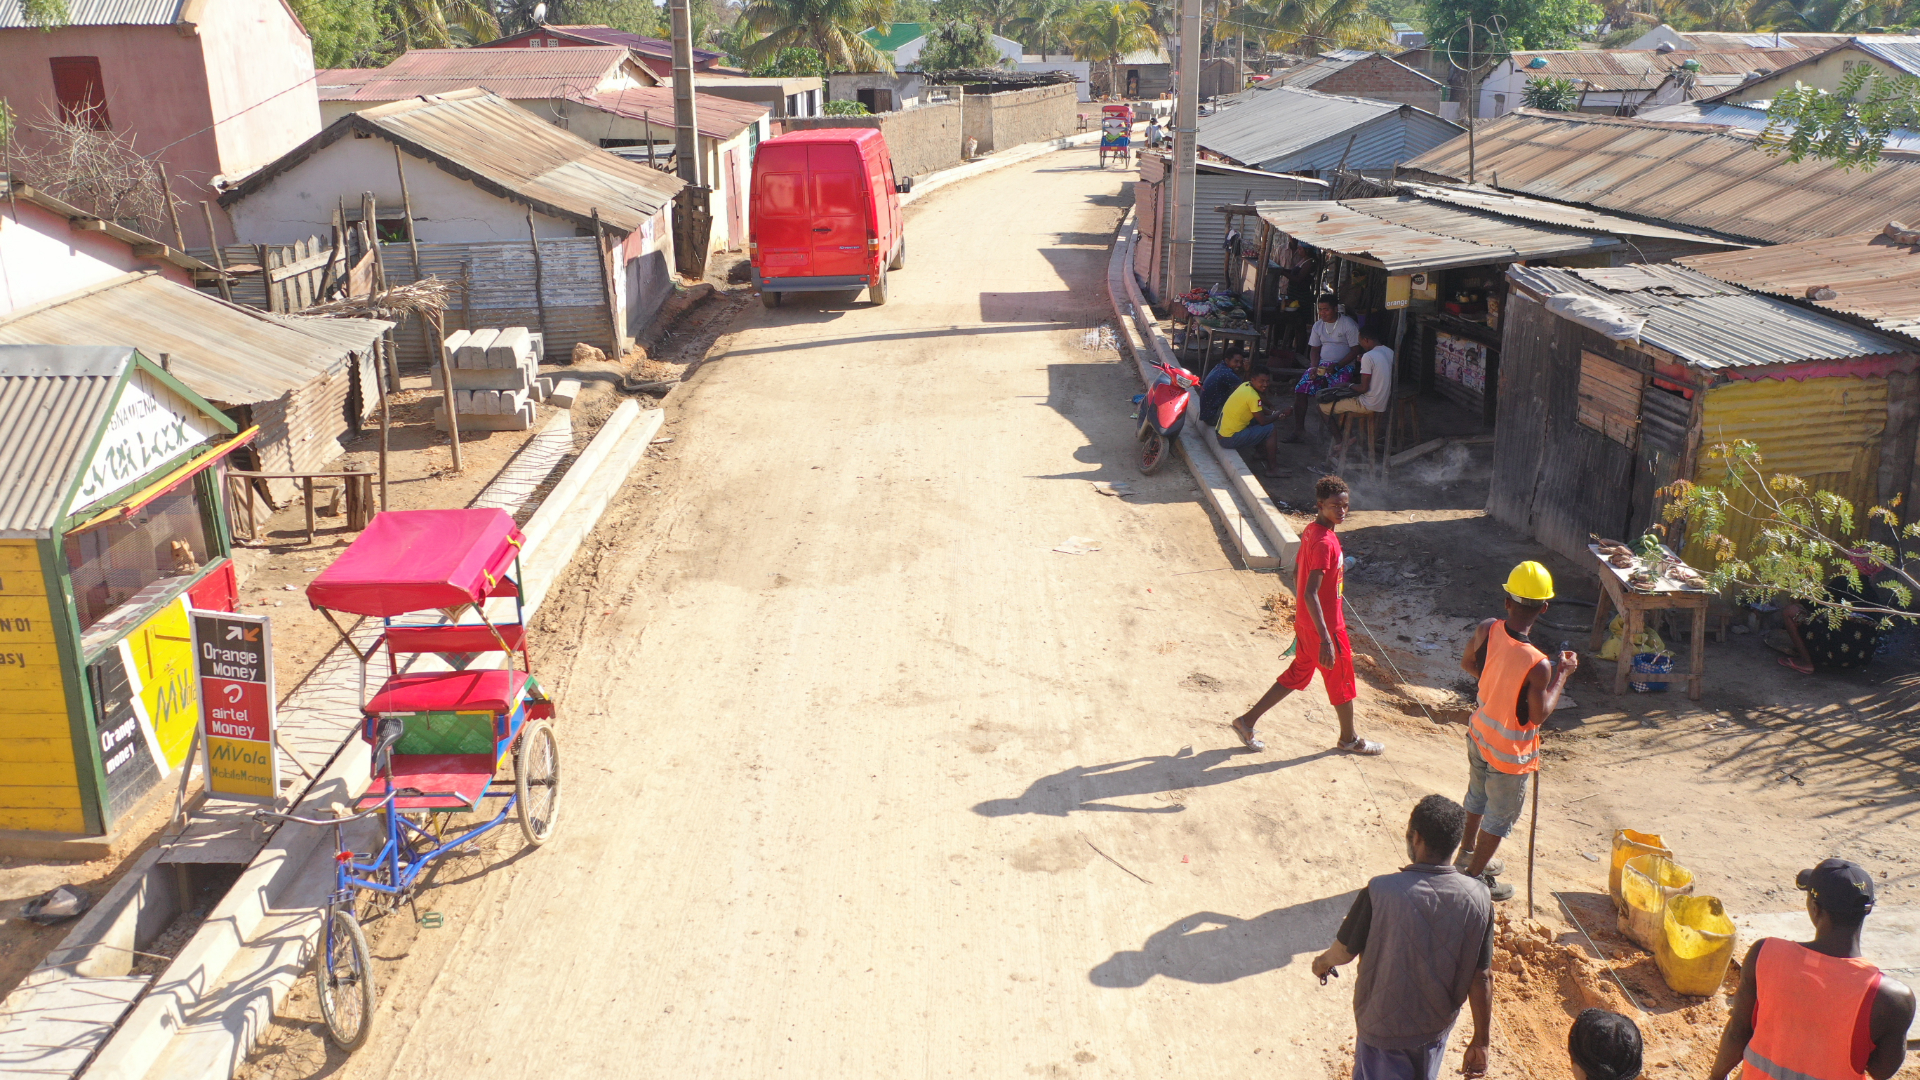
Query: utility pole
(1186, 125)
(686, 146)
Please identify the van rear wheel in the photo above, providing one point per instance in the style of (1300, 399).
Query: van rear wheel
(877, 292)
(899, 256)
(770, 299)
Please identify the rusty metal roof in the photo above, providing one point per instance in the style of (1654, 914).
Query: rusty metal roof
(1714, 180)
(1559, 215)
(53, 399)
(1644, 69)
(519, 74)
(1406, 235)
(502, 149)
(100, 13)
(602, 35)
(1872, 275)
(714, 116)
(1708, 323)
(226, 353)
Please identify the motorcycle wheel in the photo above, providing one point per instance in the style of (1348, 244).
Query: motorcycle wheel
(1154, 453)
(1146, 423)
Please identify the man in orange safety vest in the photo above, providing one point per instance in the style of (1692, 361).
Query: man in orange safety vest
(1816, 1010)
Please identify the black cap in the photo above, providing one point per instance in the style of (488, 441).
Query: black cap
(1838, 886)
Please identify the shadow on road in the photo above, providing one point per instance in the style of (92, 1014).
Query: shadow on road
(1087, 787)
(1208, 947)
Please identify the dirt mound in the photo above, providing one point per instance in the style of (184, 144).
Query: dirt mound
(1544, 977)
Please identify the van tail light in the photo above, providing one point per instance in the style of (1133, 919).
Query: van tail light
(753, 249)
(873, 243)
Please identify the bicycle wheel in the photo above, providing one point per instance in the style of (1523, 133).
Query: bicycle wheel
(343, 973)
(536, 781)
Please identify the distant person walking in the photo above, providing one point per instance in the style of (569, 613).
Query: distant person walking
(1424, 938)
(1319, 625)
(1815, 1010)
(1519, 689)
(1604, 1045)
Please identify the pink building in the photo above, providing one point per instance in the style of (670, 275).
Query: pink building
(211, 88)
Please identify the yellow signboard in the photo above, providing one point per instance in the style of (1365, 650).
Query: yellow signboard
(39, 787)
(242, 767)
(162, 650)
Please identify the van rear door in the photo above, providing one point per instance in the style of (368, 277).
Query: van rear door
(782, 211)
(842, 210)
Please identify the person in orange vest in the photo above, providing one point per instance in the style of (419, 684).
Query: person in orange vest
(1519, 688)
(1816, 1010)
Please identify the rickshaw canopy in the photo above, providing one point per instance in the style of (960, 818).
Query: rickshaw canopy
(419, 560)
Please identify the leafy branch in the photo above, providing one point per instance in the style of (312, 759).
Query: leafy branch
(1848, 125)
(1794, 549)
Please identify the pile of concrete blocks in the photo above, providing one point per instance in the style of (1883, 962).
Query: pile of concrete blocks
(496, 378)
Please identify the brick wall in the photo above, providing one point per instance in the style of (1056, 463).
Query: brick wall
(921, 140)
(1007, 119)
(1383, 80)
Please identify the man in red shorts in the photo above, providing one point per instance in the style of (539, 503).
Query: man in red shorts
(1319, 625)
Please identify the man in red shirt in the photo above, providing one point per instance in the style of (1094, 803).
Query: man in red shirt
(1319, 625)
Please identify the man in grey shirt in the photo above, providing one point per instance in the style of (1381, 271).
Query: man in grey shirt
(1424, 938)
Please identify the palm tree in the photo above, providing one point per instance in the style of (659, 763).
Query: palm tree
(1817, 16)
(1313, 26)
(444, 24)
(997, 14)
(1110, 29)
(1042, 25)
(1727, 16)
(832, 27)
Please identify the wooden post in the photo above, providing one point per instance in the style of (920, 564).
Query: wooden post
(173, 212)
(466, 294)
(539, 288)
(446, 384)
(219, 259)
(1260, 282)
(413, 248)
(606, 284)
(266, 275)
(306, 486)
(386, 424)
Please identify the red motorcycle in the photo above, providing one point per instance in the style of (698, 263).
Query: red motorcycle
(1163, 410)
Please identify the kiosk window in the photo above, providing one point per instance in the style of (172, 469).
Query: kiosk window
(1609, 398)
(116, 562)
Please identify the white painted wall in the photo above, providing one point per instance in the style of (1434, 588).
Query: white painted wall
(41, 257)
(1081, 69)
(300, 202)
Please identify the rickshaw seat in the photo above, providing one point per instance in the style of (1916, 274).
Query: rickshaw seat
(455, 639)
(450, 781)
(496, 691)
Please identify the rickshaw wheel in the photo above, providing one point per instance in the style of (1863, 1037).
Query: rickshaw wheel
(343, 975)
(536, 781)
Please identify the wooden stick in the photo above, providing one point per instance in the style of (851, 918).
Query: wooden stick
(413, 247)
(606, 285)
(386, 420)
(539, 290)
(219, 257)
(266, 274)
(1532, 829)
(446, 386)
(173, 212)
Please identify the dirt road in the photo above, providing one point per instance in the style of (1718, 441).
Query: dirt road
(864, 779)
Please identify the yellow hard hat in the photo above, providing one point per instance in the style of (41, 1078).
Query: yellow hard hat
(1530, 581)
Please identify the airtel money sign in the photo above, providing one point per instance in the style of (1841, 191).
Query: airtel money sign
(234, 657)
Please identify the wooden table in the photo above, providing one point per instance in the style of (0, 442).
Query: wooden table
(1633, 606)
(1209, 336)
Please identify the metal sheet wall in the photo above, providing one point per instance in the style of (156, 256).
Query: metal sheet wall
(1825, 431)
(1209, 229)
(493, 287)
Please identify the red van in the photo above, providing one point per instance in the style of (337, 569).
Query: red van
(825, 214)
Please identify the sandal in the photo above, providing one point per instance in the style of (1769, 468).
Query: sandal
(1794, 664)
(1249, 736)
(1364, 747)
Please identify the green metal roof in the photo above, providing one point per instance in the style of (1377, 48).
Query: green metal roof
(896, 35)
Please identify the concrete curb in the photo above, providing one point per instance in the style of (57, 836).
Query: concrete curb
(1281, 541)
(1251, 545)
(206, 1011)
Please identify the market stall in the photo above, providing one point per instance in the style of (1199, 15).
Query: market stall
(111, 528)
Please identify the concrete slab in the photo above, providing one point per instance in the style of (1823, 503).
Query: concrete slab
(450, 345)
(519, 420)
(564, 391)
(1891, 937)
(509, 378)
(55, 1022)
(473, 351)
(511, 348)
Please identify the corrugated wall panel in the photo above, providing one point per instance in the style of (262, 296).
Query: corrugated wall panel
(1826, 431)
(493, 287)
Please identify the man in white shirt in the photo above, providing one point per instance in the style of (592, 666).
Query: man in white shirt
(1376, 379)
(1334, 336)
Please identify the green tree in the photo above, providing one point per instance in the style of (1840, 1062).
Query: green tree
(1848, 125)
(633, 16)
(831, 27)
(1529, 24)
(1802, 536)
(347, 33)
(45, 14)
(845, 108)
(1818, 16)
(1042, 26)
(792, 62)
(1312, 26)
(1552, 93)
(954, 45)
(440, 24)
(1107, 30)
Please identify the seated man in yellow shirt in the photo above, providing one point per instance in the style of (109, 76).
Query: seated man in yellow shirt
(1247, 424)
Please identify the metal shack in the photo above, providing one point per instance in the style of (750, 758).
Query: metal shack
(1615, 381)
(110, 528)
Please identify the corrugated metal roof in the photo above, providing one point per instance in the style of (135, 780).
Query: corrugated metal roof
(1550, 213)
(1900, 51)
(1716, 181)
(226, 353)
(639, 43)
(1305, 75)
(1283, 129)
(101, 13)
(1747, 117)
(714, 116)
(53, 400)
(520, 74)
(1707, 40)
(1727, 327)
(1644, 69)
(496, 145)
(1874, 277)
(1406, 234)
